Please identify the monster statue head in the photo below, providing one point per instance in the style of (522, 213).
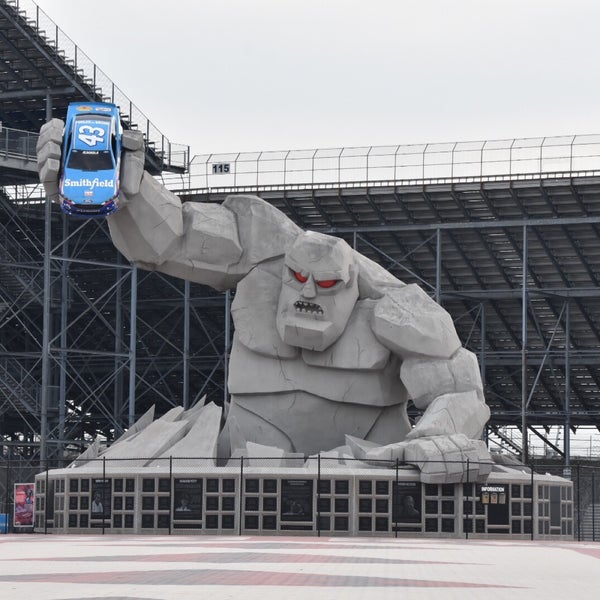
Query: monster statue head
(318, 292)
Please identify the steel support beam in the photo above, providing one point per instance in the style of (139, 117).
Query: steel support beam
(524, 394)
(186, 345)
(46, 332)
(132, 346)
(567, 427)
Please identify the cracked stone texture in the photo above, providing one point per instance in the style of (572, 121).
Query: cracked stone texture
(200, 442)
(427, 378)
(300, 422)
(147, 233)
(260, 455)
(462, 412)
(48, 149)
(242, 243)
(443, 459)
(359, 349)
(253, 310)
(362, 387)
(295, 394)
(408, 321)
(264, 233)
(152, 442)
(141, 423)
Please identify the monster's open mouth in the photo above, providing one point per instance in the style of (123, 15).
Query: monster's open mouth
(308, 308)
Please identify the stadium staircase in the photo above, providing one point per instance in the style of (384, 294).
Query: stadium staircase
(20, 287)
(590, 524)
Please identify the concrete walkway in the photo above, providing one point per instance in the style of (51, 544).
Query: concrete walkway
(87, 567)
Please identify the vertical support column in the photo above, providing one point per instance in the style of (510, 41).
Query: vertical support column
(46, 333)
(482, 360)
(48, 106)
(186, 345)
(132, 345)
(118, 381)
(438, 265)
(64, 305)
(567, 441)
(482, 353)
(524, 297)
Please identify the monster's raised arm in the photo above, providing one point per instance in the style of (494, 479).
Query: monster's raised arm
(213, 244)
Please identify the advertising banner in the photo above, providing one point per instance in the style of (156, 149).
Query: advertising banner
(23, 503)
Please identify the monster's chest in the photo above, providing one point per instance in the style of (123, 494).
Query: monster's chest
(356, 368)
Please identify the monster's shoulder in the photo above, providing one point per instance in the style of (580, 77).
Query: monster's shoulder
(264, 231)
(408, 322)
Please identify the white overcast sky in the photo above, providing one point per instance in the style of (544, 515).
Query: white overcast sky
(243, 75)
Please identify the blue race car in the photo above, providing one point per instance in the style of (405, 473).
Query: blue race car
(91, 160)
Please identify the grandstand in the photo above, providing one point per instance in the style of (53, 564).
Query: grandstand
(504, 234)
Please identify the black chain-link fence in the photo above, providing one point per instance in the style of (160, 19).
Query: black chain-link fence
(382, 503)
(586, 492)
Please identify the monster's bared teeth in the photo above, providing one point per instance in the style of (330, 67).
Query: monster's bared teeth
(308, 307)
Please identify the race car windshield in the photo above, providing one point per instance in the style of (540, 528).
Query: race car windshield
(90, 161)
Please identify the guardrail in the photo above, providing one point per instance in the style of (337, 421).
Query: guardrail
(15, 143)
(490, 160)
(174, 155)
(410, 164)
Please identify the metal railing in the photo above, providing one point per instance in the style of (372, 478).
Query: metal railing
(489, 160)
(175, 155)
(15, 143)
(500, 160)
(528, 496)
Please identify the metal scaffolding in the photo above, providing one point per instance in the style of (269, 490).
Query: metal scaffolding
(504, 234)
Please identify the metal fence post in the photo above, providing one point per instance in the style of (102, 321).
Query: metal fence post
(103, 493)
(170, 492)
(319, 495)
(578, 503)
(7, 493)
(593, 508)
(241, 494)
(533, 521)
(46, 501)
(469, 495)
(395, 500)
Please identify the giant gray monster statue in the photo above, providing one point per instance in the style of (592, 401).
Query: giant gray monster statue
(328, 346)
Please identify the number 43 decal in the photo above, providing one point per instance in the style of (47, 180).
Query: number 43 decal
(91, 135)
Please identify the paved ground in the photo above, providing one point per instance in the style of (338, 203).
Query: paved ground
(87, 567)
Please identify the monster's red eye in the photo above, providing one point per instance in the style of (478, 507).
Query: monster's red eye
(300, 277)
(327, 283)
